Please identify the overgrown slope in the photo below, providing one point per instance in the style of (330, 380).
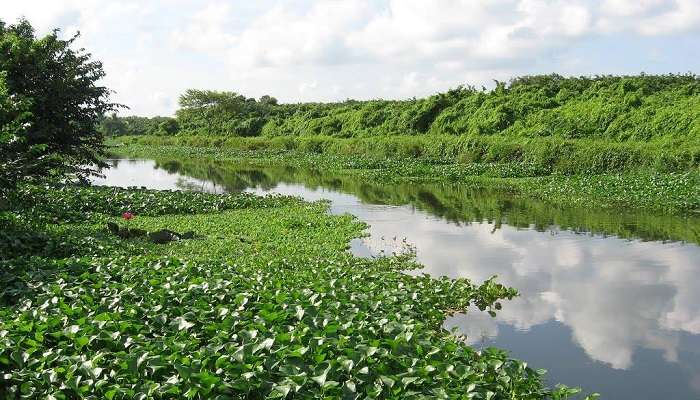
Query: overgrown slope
(616, 108)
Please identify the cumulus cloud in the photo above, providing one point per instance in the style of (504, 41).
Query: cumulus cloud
(285, 36)
(356, 49)
(206, 30)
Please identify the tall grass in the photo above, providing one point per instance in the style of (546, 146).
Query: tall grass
(558, 125)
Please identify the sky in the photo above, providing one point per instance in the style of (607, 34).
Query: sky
(326, 50)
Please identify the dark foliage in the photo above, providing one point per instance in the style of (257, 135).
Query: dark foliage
(50, 102)
(137, 126)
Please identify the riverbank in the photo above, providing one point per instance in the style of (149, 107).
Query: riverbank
(625, 183)
(260, 299)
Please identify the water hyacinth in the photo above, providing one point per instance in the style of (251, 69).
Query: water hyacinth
(268, 304)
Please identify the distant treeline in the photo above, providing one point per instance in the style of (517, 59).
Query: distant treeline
(617, 108)
(132, 125)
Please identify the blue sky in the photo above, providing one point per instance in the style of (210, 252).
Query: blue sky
(338, 49)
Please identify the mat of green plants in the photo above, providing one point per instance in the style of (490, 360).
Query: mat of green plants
(263, 302)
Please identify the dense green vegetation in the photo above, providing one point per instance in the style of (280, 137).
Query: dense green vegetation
(627, 141)
(542, 156)
(617, 108)
(550, 124)
(265, 303)
(662, 193)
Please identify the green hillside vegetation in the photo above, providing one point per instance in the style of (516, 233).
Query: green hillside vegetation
(618, 108)
(133, 125)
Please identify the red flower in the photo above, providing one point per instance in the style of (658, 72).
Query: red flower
(128, 215)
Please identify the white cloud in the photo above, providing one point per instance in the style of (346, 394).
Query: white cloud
(206, 31)
(629, 8)
(649, 17)
(351, 48)
(308, 87)
(284, 37)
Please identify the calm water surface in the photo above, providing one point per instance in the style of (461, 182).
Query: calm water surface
(610, 301)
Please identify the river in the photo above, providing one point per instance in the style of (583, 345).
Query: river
(609, 300)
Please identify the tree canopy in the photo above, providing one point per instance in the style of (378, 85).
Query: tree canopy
(50, 104)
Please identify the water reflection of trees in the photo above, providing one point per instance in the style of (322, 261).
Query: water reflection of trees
(458, 204)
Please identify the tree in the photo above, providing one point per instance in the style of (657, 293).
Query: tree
(266, 99)
(50, 105)
(113, 126)
(168, 127)
(209, 111)
(15, 156)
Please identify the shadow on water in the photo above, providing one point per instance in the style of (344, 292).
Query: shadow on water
(609, 299)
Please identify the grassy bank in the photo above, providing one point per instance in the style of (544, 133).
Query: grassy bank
(636, 182)
(611, 141)
(542, 155)
(262, 302)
